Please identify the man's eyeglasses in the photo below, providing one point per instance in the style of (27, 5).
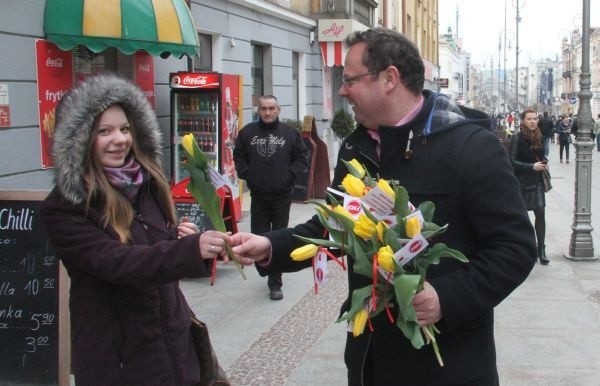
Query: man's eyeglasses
(349, 80)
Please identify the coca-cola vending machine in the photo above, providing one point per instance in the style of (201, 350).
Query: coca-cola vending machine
(206, 104)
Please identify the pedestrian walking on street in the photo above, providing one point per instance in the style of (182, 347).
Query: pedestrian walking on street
(596, 132)
(453, 159)
(547, 128)
(528, 161)
(270, 155)
(509, 121)
(564, 137)
(112, 222)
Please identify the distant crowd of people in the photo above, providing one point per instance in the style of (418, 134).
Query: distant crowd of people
(560, 130)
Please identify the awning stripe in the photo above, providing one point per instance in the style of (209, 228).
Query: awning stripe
(334, 53)
(155, 26)
(167, 21)
(102, 18)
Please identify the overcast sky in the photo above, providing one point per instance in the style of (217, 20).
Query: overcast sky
(543, 24)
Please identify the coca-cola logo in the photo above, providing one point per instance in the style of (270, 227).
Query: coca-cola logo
(415, 246)
(144, 68)
(54, 62)
(194, 80)
(353, 207)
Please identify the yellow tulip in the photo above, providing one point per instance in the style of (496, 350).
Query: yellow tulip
(339, 209)
(380, 228)
(188, 144)
(364, 227)
(304, 252)
(359, 322)
(354, 186)
(386, 188)
(413, 226)
(323, 211)
(359, 168)
(385, 258)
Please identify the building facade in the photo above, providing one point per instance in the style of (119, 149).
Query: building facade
(269, 43)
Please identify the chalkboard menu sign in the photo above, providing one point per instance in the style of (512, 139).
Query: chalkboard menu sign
(194, 213)
(29, 276)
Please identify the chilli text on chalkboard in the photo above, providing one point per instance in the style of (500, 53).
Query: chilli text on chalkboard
(18, 220)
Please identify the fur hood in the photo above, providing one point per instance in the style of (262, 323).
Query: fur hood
(76, 115)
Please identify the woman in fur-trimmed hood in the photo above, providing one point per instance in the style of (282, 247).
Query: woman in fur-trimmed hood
(111, 221)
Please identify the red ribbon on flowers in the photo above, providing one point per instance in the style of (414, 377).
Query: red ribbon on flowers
(374, 291)
(331, 256)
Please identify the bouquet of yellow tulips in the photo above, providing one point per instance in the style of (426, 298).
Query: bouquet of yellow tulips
(203, 190)
(389, 240)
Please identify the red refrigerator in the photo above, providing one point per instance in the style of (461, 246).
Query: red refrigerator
(208, 105)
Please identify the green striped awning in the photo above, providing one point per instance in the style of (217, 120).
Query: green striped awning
(155, 26)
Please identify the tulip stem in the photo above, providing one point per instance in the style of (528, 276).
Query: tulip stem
(234, 259)
(429, 332)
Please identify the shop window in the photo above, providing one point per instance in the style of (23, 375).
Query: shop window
(87, 63)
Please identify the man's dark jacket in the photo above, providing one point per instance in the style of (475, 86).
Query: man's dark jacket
(463, 169)
(546, 127)
(270, 157)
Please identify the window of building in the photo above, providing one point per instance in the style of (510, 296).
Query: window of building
(205, 62)
(258, 76)
(295, 86)
(87, 63)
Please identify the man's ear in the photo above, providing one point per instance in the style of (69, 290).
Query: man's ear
(391, 76)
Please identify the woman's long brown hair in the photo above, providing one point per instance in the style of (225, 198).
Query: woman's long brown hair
(532, 137)
(117, 210)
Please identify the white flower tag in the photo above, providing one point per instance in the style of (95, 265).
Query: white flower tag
(411, 249)
(353, 206)
(379, 202)
(320, 270)
(216, 178)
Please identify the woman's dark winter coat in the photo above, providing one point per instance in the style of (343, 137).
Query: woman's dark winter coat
(522, 159)
(462, 168)
(130, 323)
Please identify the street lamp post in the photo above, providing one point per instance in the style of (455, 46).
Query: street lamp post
(581, 246)
(518, 20)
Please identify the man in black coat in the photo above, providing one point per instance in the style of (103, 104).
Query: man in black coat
(442, 153)
(547, 128)
(269, 155)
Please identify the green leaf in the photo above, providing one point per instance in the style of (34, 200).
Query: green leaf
(401, 202)
(359, 297)
(321, 242)
(427, 209)
(411, 331)
(433, 230)
(362, 263)
(405, 287)
(391, 239)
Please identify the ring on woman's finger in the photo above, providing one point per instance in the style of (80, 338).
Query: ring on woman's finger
(212, 248)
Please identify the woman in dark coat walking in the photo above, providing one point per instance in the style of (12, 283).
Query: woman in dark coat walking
(528, 161)
(111, 221)
(563, 128)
